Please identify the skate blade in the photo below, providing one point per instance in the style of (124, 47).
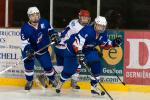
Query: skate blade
(75, 90)
(96, 95)
(58, 93)
(27, 91)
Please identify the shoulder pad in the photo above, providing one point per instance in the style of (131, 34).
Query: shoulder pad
(73, 23)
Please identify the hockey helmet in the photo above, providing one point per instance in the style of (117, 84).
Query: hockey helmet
(32, 10)
(85, 13)
(101, 20)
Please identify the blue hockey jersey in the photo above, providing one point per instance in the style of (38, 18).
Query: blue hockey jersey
(37, 38)
(87, 40)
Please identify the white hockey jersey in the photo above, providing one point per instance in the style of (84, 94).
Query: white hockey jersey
(73, 28)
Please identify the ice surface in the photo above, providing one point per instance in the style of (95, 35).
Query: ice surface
(18, 93)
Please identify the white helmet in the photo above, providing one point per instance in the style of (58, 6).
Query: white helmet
(101, 20)
(32, 10)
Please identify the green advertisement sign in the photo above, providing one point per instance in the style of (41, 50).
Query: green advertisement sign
(112, 59)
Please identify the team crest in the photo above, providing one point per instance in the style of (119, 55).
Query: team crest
(42, 26)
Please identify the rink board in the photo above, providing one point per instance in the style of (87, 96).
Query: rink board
(134, 71)
(84, 85)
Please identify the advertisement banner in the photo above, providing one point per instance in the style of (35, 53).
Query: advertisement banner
(137, 57)
(10, 53)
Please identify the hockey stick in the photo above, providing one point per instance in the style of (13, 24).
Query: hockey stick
(38, 82)
(3, 71)
(47, 82)
(118, 77)
(85, 65)
(117, 30)
(39, 50)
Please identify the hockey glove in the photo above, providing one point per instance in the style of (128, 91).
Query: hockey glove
(81, 57)
(116, 42)
(29, 54)
(55, 38)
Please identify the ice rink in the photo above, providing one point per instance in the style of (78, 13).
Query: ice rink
(18, 93)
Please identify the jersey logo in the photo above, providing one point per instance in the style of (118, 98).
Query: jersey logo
(73, 23)
(39, 38)
(100, 38)
(86, 36)
(42, 26)
(22, 37)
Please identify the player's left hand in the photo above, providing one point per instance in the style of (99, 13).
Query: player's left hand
(117, 42)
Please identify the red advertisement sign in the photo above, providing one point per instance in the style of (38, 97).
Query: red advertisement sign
(137, 57)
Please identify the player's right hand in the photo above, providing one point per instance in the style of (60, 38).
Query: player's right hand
(30, 54)
(81, 57)
(55, 38)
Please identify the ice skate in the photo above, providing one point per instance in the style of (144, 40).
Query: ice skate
(96, 90)
(28, 85)
(58, 87)
(74, 84)
(53, 83)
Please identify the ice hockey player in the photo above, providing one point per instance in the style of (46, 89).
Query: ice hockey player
(81, 47)
(35, 35)
(74, 27)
